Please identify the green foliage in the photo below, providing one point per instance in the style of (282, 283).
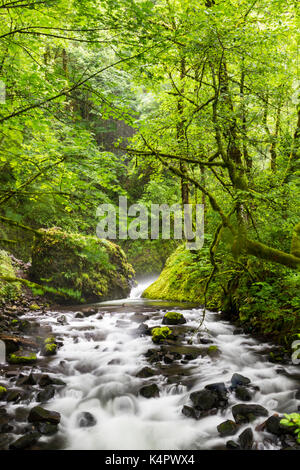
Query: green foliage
(292, 420)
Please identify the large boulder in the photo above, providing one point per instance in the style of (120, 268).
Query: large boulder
(85, 268)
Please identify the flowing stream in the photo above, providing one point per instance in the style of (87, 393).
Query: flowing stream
(99, 360)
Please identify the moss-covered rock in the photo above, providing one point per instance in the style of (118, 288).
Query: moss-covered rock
(183, 279)
(8, 290)
(49, 347)
(262, 297)
(22, 358)
(160, 334)
(3, 391)
(85, 268)
(174, 318)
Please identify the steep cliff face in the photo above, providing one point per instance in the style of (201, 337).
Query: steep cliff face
(86, 268)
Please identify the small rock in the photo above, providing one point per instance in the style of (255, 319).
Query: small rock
(204, 399)
(231, 445)
(238, 379)
(143, 329)
(190, 412)
(88, 311)
(47, 429)
(150, 391)
(62, 319)
(25, 441)
(246, 413)
(145, 372)
(86, 420)
(46, 394)
(41, 415)
(173, 318)
(242, 393)
(227, 428)
(79, 315)
(246, 439)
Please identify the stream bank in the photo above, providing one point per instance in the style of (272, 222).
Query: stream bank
(110, 387)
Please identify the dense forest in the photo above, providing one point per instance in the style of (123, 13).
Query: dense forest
(161, 102)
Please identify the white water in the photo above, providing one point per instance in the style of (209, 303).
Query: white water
(99, 360)
(137, 291)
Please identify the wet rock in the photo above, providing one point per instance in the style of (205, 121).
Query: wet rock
(14, 396)
(205, 341)
(143, 329)
(43, 380)
(173, 318)
(213, 351)
(4, 420)
(227, 428)
(238, 379)
(231, 445)
(62, 319)
(88, 311)
(150, 391)
(25, 380)
(220, 389)
(238, 331)
(204, 399)
(47, 429)
(40, 415)
(273, 426)
(242, 393)
(86, 420)
(5, 439)
(246, 439)
(246, 413)
(169, 358)
(22, 357)
(46, 394)
(14, 343)
(145, 372)
(79, 315)
(297, 395)
(26, 441)
(114, 362)
(190, 412)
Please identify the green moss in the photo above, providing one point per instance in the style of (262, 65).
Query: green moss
(34, 307)
(174, 316)
(159, 334)
(8, 291)
(15, 359)
(51, 348)
(3, 390)
(295, 247)
(84, 267)
(51, 339)
(14, 322)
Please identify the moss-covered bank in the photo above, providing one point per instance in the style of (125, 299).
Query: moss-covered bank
(262, 297)
(8, 291)
(86, 268)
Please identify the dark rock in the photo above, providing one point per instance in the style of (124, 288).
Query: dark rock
(205, 341)
(79, 315)
(218, 388)
(86, 420)
(14, 343)
(25, 380)
(231, 445)
(238, 331)
(26, 441)
(204, 399)
(143, 329)
(62, 319)
(273, 426)
(150, 391)
(246, 413)
(5, 439)
(297, 395)
(46, 394)
(173, 318)
(246, 439)
(238, 379)
(227, 428)
(47, 429)
(145, 372)
(169, 358)
(40, 415)
(242, 393)
(190, 412)
(14, 396)
(88, 311)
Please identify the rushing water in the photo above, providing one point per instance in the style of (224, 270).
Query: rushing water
(99, 361)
